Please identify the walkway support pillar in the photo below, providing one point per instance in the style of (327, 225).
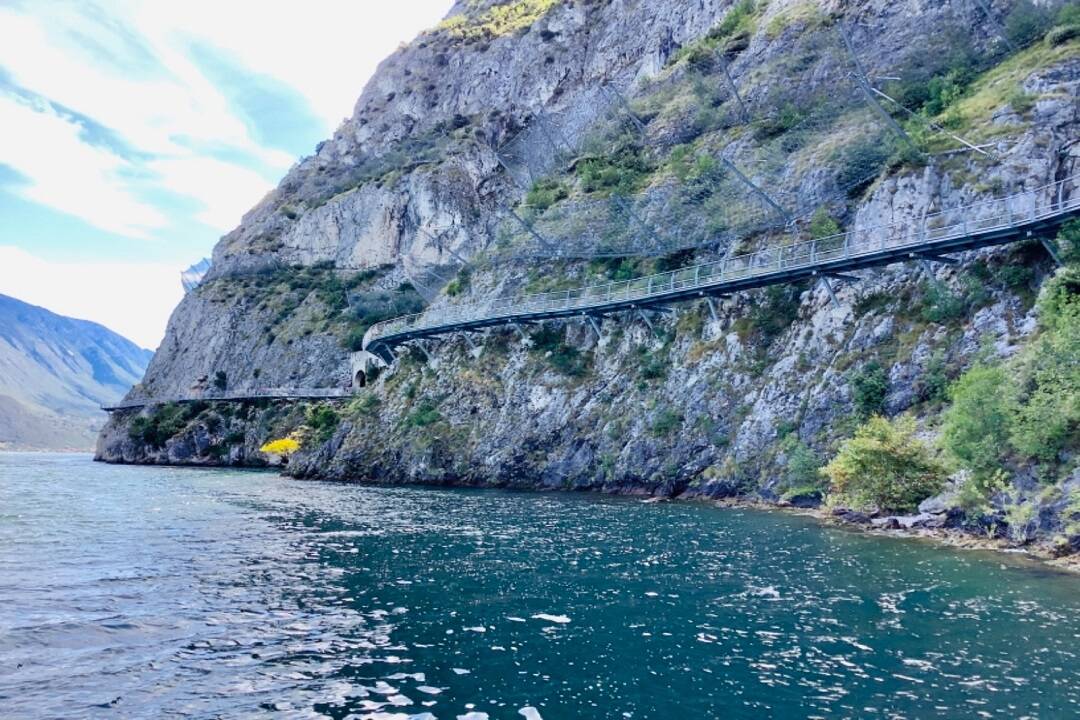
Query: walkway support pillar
(594, 325)
(929, 270)
(828, 286)
(1051, 250)
(424, 350)
(712, 308)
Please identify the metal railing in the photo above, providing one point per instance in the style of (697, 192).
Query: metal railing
(985, 219)
(253, 394)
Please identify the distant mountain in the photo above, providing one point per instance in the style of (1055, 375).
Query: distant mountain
(55, 373)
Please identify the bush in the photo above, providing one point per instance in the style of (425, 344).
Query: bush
(1046, 417)
(802, 470)
(323, 420)
(545, 193)
(869, 387)
(623, 171)
(1026, 23)
(425, 414)
(567, 359)
(1068, 240)
(460, 284)
(822, 224)
(884, 466)
(975, 427)
(221, 381)
(666, 422)
(283, 447)
(164, 422)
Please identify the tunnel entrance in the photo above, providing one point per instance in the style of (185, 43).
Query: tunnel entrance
(360, 380)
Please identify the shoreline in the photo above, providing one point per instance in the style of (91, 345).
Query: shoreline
(948, 537)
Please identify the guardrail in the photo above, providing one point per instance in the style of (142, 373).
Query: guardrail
(239, 396)
(977, 224)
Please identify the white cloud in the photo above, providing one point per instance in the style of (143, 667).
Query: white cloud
(67, 174)
(133, 299)
(226, 191)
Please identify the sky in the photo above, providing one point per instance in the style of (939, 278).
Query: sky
(134, 134)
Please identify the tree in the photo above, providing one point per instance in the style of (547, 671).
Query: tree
(884, 466)
(869, 386)
(283, 447)
(975, 427)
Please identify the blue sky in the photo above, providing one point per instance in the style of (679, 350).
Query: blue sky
(135, 134)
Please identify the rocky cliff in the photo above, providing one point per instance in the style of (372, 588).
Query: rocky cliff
(409, 204)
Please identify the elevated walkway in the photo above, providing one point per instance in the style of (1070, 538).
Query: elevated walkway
(247, 395)
(1030, 214)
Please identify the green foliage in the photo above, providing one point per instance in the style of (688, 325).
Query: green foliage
(884, 466)
(666, 422)
(460, 284)
(365, 405)
(221, 381)
(652, 365)
(426, 413)
(624, 171)
(975, 427)
(375, 306)
(164, 422)
(822, 224)
(869, 387)
(323, 420)
(1068, 241)
(802, 469)
(776, 309)
(941, 305)
(545, 193)
(1047, 411)
(1027, 22)
(739, 20)
(567, 359)
(498, 20)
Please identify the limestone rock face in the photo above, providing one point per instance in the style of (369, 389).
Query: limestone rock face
(695, 406)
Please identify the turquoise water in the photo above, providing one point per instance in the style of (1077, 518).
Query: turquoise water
(145, 592)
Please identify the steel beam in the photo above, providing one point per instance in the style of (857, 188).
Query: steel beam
(824, 280)
(712, 308)
(593, 324)
(761, 193)
(864, 85)
(1051, 250)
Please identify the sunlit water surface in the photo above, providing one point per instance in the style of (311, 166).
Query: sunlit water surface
(144, 592)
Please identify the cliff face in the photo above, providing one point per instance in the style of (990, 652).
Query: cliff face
(408, 189)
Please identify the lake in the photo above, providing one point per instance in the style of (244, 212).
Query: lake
(166, 592)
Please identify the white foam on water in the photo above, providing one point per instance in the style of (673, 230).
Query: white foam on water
(530, 713)
(473, 716)
(428, 689)
(561, 619)
(461, 671)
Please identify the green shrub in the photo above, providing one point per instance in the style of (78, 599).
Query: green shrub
(545, 193)
(802, 469)
(975, 426)
(884, 466)
(822, 224)
(367, 405)
(869, 388)
(460, 284)
(426, 413)
(164, 422)
(666, 422)
(221, 381)
(1026, 23)
(565, 358)
(323, 420)
(1068, 240)
(738, 20)
(1046, 418)
(777, 307)
(624, 171)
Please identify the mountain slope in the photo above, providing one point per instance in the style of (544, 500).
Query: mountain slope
(55, 373)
